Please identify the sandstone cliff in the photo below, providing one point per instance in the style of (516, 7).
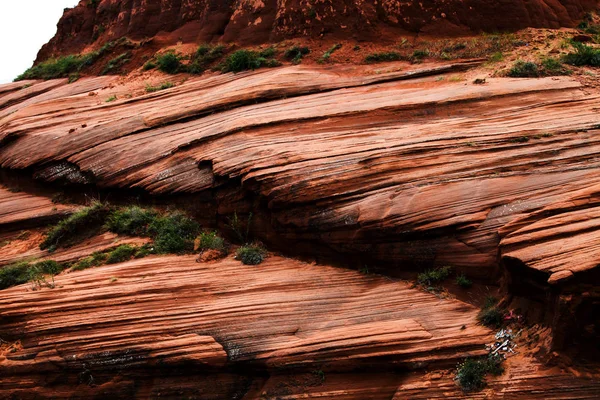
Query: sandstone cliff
(253, 21)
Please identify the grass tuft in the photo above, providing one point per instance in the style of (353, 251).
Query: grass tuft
(434, 276)
(210, 241)
(470, 374)
(174, 233)
(120, 254)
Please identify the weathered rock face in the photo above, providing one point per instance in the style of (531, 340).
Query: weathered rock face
(398, 168)
(253, 21)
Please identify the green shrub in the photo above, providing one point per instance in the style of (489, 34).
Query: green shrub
(491, 317)
(116, 63)
(434, 276)
(251, 254)
(470, 374)
(76, 227)
(211, 241)
(490, 301)
(269, 52)
(583, 55)
(53, 68)
(381, 57)
(463, 281)
(162, 86)
(133, 221)
(243, 60)
(143, 251)
(23, 272)
(94, 260)
(174, 233)
(149, 65)
(169, 62)
(14, 275)
(204, 57)
(296, 53)
(524, 69)
(419, 54)
(120, 254)
(111, 99)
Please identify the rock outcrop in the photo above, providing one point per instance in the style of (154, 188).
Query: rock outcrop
(399, 167)
(253, 22)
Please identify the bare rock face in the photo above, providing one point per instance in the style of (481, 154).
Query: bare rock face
(253, 21)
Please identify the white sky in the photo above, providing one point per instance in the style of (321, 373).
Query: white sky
(25, 26)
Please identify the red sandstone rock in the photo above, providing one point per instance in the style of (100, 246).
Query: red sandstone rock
(251, 21)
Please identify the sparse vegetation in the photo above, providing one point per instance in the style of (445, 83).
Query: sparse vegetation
(548, 67)
(94, 260)
(420, 54)
(116, 63)
(470, 374)
(210, 241)
(162, 86)
(434, 276)
(174, 233)
(381, 57)
(24, 272)
(120, 254)
(241, 230)
(77, 226)
(583, 55)
(111, 99)
(491, 315)
(251, 254)
(204, 57)
(64, 66)
(296, 53)
(463, 281)
(133, 221)
(244, 60)
(148, 65)
(327, 55)
(524, 69)
(169, 62)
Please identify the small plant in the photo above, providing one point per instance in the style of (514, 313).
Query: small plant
(111, 99)
(496, 57)
(327, 55)
(149, 65)
(120, 254)
(174, 233)
(14, 275)
(380, 57)
(491, 317)
(251, 254)
(269, 52)
(470, 374)
(244, 60)
(116, 63)
(520, 139)
(524, 69)
(74, 77)
(94, 260)
(76, 227)
(241, 232)
(162, 86)
(583, 55)
(210, 241)
(296, 53)
(434, 276)
(420, 54)
(143, 251)
(169, 62)
(463, 281)
(36, 277)
(319, 374)
(133, 221)
(205, 55)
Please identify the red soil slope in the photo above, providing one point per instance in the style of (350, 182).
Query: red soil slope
(254, 21)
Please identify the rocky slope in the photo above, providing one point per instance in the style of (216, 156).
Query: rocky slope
(252, 21)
